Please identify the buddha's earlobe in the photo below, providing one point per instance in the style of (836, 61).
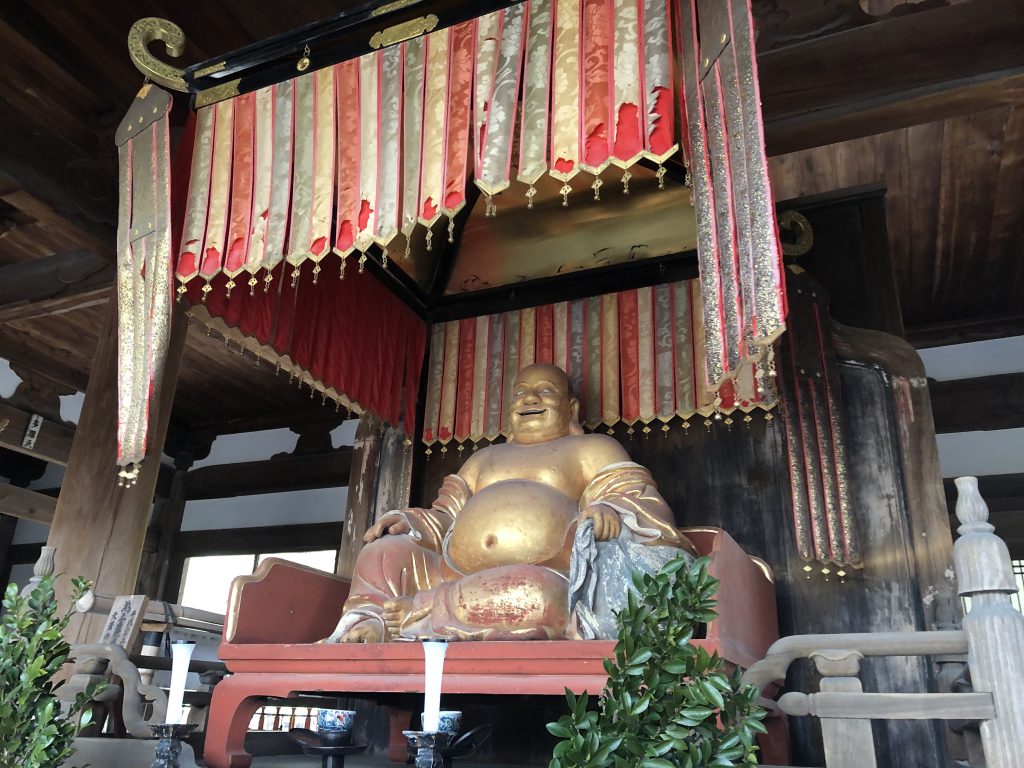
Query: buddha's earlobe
(575, 428)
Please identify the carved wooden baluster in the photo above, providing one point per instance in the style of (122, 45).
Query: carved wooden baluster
(848, 743)
(995, 630)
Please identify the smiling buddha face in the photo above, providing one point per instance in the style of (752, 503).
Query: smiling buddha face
(542, 406)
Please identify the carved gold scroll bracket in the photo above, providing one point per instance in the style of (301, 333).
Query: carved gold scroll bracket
(147, 30)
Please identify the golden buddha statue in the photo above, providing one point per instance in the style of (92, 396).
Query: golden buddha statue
(491, 558)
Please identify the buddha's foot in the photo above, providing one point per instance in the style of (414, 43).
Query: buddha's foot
(364, 632)
(395, 613)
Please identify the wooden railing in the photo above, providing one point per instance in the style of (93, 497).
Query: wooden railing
(992, 639)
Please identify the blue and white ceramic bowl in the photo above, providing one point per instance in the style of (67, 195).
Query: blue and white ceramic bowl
(335, 720)
(449, 722)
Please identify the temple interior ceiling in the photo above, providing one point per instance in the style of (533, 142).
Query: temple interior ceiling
(953, 190)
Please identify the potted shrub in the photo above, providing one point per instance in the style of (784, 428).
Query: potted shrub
(34, 731)
(667, 703)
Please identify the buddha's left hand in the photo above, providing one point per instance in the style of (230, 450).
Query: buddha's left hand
(606, 521)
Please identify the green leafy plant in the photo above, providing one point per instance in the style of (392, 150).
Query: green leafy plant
(667, 702)
(34, 732)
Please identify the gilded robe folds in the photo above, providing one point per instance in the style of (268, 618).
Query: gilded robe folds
(520, 601)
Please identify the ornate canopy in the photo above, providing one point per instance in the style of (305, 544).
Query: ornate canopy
(291, 176)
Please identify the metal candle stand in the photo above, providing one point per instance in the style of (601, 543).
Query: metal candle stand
(168, 746)
(328, 746)
(437, 750)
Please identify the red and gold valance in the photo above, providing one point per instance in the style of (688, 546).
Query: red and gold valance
(635, 357)
(355, 154)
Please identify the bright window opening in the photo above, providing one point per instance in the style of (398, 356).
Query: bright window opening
(206, 580)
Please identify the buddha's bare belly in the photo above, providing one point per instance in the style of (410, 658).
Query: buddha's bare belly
(510, 522)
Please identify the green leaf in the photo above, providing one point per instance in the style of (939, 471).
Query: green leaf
(656, 762)
(559, 730)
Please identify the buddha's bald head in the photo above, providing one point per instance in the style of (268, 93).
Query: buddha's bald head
(543, 407)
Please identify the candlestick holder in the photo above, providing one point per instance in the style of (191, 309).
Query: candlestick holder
(168, 746)
(428, 747)
(437, 750)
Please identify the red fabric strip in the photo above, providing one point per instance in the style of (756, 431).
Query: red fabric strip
(545, 330)
(629, 355)
(346, 83)
(241, 182)
(597, 66)
(181, 167)
(464, 398)
(460, 74)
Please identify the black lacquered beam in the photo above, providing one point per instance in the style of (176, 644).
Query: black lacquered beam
(344, 36)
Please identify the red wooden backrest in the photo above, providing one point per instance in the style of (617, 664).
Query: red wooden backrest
(284, 602)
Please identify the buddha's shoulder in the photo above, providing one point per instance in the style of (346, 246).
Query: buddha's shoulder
(600, 450)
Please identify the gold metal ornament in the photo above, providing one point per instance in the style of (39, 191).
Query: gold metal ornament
(147, 30)
(217, 93)
(395, 6)
(303, 63)
(404, 31)
(793, 221)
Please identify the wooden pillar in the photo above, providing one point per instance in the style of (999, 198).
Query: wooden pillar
(167, 516)
(394, 472)
(927, 515)
(7, 525)
(99, 527)
(362, 491)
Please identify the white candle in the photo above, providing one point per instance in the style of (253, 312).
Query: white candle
(433, 653)
(181, 654)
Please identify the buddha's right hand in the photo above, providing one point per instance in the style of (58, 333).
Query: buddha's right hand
(392, 523)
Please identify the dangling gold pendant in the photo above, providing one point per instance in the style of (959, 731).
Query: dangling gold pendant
(660, 175)
(451, 230)
(267, 278)
(564, 191)
(295, 275)
(625, 181)
(362, 262)
(252, 285)
(384, 258)
(206, 290)
(182, 290)
(229, 285)
(316, 273)
(430, 239)
(531, 192)
(596, 186)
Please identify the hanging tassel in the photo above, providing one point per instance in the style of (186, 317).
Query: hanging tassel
(531, 192)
